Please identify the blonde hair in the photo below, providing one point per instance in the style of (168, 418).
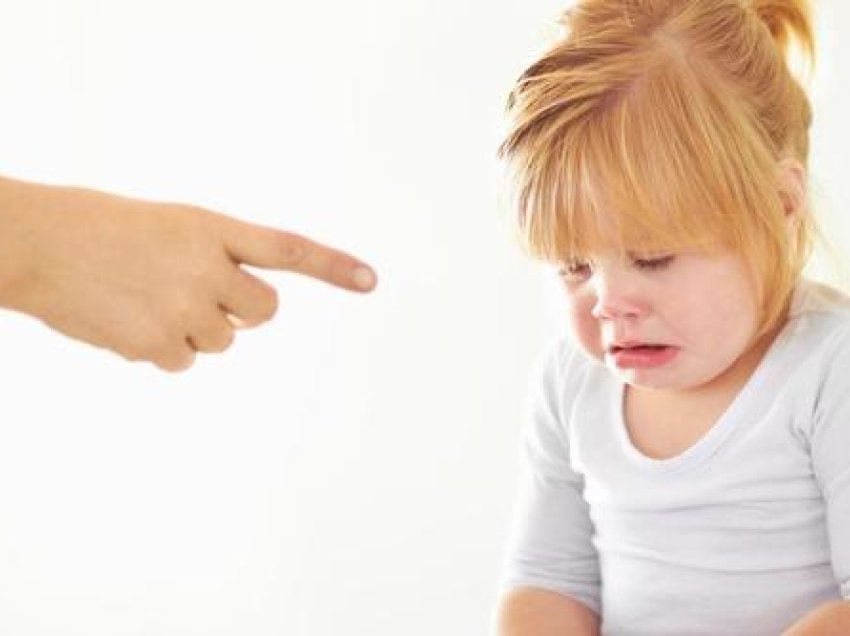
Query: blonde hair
(661, 124)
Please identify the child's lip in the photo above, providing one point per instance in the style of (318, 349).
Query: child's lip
(633, 344)
(642, 356)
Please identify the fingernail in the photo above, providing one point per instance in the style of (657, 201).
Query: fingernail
(364, 278)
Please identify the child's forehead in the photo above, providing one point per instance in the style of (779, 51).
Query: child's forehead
(615, 237)
(602, 221)
(601, 217)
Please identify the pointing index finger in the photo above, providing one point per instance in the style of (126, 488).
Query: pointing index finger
(270, 248)
(305, 256)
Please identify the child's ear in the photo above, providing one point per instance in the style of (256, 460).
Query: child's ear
(792, 187)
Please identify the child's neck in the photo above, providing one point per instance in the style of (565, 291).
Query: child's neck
(664, 424)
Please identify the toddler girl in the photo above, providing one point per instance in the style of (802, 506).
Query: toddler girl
(689, 446)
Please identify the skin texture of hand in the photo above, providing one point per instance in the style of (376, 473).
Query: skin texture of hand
(830, 619)
(150, 281)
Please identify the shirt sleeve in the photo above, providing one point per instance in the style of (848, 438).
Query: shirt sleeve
(551, 545)
(830, 448)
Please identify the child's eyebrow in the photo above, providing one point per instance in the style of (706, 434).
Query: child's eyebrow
(650, 253)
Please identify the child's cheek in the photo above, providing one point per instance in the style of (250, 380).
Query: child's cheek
(584, 327)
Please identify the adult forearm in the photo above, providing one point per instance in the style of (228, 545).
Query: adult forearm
(536, 612)
(830, 619)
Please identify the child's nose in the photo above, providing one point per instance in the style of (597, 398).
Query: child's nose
(617, 295)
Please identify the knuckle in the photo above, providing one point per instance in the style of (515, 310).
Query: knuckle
(270, 305)
(293, 249)
(229, 339)
(210, 335)
(166, 352)
(175, 362)
(152, 348)
(223, 342)
(340, 271)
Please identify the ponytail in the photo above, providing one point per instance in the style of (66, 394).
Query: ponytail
(788, 20)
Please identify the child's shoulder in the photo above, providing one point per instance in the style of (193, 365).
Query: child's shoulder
(563, 366)
(811, 295)
(816, 297)
(819, 327)
(562, 355)
(820, 311)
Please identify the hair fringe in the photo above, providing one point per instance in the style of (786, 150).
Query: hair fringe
(659, 123)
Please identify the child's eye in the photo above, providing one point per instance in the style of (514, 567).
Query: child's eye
(575, 271)
(654, 263)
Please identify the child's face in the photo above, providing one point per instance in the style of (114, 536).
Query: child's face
(664, 321)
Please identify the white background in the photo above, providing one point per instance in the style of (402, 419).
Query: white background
(350, 467)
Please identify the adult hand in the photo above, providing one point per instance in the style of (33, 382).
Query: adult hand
(150, 281)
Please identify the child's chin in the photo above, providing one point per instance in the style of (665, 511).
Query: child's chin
(661, 379)
(656, 379)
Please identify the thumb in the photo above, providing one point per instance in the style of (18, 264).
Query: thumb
(271, 248)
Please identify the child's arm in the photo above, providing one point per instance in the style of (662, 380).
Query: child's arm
(150, 281)
(831, 619)
(535, 612)
(829, 444)
(551, 581)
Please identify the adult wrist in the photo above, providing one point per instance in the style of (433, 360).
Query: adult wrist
(21, 207)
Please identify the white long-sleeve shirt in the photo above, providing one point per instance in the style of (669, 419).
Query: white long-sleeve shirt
(742, 534)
